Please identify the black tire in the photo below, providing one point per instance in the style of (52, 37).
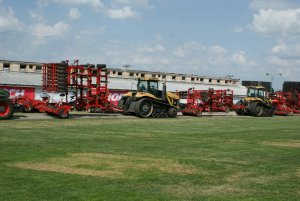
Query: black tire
(239, 111)
(63, 114)
(172, 112)
(198, 113)
(121, 102)
(143, 108)
(6, 109)
(256, 109)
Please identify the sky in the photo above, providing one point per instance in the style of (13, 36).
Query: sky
(245, 39)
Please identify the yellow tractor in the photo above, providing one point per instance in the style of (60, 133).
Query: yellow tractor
(149, 101)
(256, 103)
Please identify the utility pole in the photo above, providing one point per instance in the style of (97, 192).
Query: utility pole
(272, 75)
(126, 66)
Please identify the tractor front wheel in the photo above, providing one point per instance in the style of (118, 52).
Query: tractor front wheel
(6, 109)
(172, 112)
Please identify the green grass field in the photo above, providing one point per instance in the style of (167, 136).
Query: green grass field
(208, 158)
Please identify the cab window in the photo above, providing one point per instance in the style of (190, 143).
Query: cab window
(143, 86)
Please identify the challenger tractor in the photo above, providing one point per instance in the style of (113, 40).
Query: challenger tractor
(6, 106)
(149, 101)
(256, 103)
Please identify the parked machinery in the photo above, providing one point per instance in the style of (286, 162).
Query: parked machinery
(281, 102)
(286, 102)
(198, 101)
(83, 87)
(149, 101)
(6, 106)
(256, 103)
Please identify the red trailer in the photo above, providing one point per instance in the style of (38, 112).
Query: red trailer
(210, 100)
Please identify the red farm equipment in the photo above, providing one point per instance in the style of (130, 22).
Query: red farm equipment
(6, 106)
(280, 101)
(198, 101)
(286, 102)
(81, 87)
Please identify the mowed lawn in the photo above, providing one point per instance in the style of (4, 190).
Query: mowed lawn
(187, 158)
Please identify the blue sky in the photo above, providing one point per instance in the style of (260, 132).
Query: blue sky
(246, 39)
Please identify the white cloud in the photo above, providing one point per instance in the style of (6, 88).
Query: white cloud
(41, 30)
(8, 21)
(74, 13)
(272, 4)
(277, 22)
(154, 49)
(92, 3)
(239, 58)
(134, 3)
(216, 49)
(238, 29)
(122, 13)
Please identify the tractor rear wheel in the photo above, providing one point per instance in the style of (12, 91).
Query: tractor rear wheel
(144, 108)
(256, 109)
(6, 109)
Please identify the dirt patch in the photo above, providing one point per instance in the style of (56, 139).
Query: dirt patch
(107, 165)
(237, 177)
(193, 191)
(66, 170)
(283, 144)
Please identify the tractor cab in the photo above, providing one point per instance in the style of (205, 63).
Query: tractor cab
(149, 85)
(256, 92)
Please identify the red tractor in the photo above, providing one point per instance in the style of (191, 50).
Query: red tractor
(6, 106)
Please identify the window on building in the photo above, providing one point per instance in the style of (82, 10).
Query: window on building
(22, 67)
(218, 81)
(209, 80)
(38, 67)
(173, 77)
(131, 74)
(120, 73)
(143, 75)
(6, 66)
(183, 78)
(164, 76)
(192, 79)
(201, 79)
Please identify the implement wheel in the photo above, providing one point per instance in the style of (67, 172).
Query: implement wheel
(144, 108)
(63, 114)
(6, 109)
(239, 110)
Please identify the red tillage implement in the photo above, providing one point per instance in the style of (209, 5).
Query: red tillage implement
(83, 87)
(286, 102)
(198, 101)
